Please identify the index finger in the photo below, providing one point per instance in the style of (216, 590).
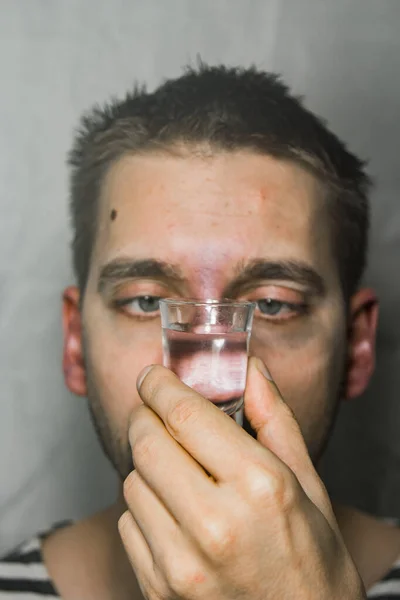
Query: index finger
(211, 437)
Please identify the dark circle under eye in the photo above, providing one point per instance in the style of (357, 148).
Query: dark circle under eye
(269, 306)
(149, 303)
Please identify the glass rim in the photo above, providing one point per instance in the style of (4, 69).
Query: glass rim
(225, 302)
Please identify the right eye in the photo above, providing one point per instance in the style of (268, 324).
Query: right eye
(140, 305)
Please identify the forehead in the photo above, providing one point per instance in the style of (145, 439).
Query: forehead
(210, 213)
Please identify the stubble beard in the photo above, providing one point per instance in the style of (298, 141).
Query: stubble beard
(115, 444)
(116, 447)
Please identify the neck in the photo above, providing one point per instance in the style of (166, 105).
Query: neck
(88, 559)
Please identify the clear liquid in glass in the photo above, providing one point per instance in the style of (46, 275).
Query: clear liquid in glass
(212, 363)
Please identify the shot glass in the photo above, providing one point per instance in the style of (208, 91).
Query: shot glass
(206, 344)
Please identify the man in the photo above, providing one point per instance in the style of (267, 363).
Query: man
(218, 184)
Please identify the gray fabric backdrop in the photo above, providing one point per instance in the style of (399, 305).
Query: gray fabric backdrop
(56, 59)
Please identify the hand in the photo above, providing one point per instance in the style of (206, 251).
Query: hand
(216, 515)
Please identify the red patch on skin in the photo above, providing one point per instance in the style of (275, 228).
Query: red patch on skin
(199, 578)
(264, 192)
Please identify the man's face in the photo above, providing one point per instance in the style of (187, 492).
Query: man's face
(238, 225)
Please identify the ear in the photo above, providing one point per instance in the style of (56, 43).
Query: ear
(363, 320)
(73, 361)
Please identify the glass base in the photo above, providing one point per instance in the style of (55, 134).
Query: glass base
(234, 410)
(238, 416)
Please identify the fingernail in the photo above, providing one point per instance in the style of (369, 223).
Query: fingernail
(142, 376)
(263, 369)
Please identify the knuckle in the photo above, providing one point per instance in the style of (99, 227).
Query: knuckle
(284, 495)
(288, 496)
(184, 411)
(144, 450)
(275, 489)
(185, 578)
(129, 485)
(124, 524)
(219, 538)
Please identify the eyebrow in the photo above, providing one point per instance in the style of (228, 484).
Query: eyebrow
(119, 270)
(292, 271)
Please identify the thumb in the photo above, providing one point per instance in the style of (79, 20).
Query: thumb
(277, 429)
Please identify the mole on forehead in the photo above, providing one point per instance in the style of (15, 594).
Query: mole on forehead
(113, 214)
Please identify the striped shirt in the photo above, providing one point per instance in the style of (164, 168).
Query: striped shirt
(23, 575)
(389, 587)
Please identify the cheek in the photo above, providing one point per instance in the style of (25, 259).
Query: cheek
(308, 379)
(307, 367)
(296, 372)
(116, 360)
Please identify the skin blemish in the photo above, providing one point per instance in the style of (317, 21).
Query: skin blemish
(113, 214)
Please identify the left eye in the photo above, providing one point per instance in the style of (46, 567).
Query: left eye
(143, 304)
(272, 308)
